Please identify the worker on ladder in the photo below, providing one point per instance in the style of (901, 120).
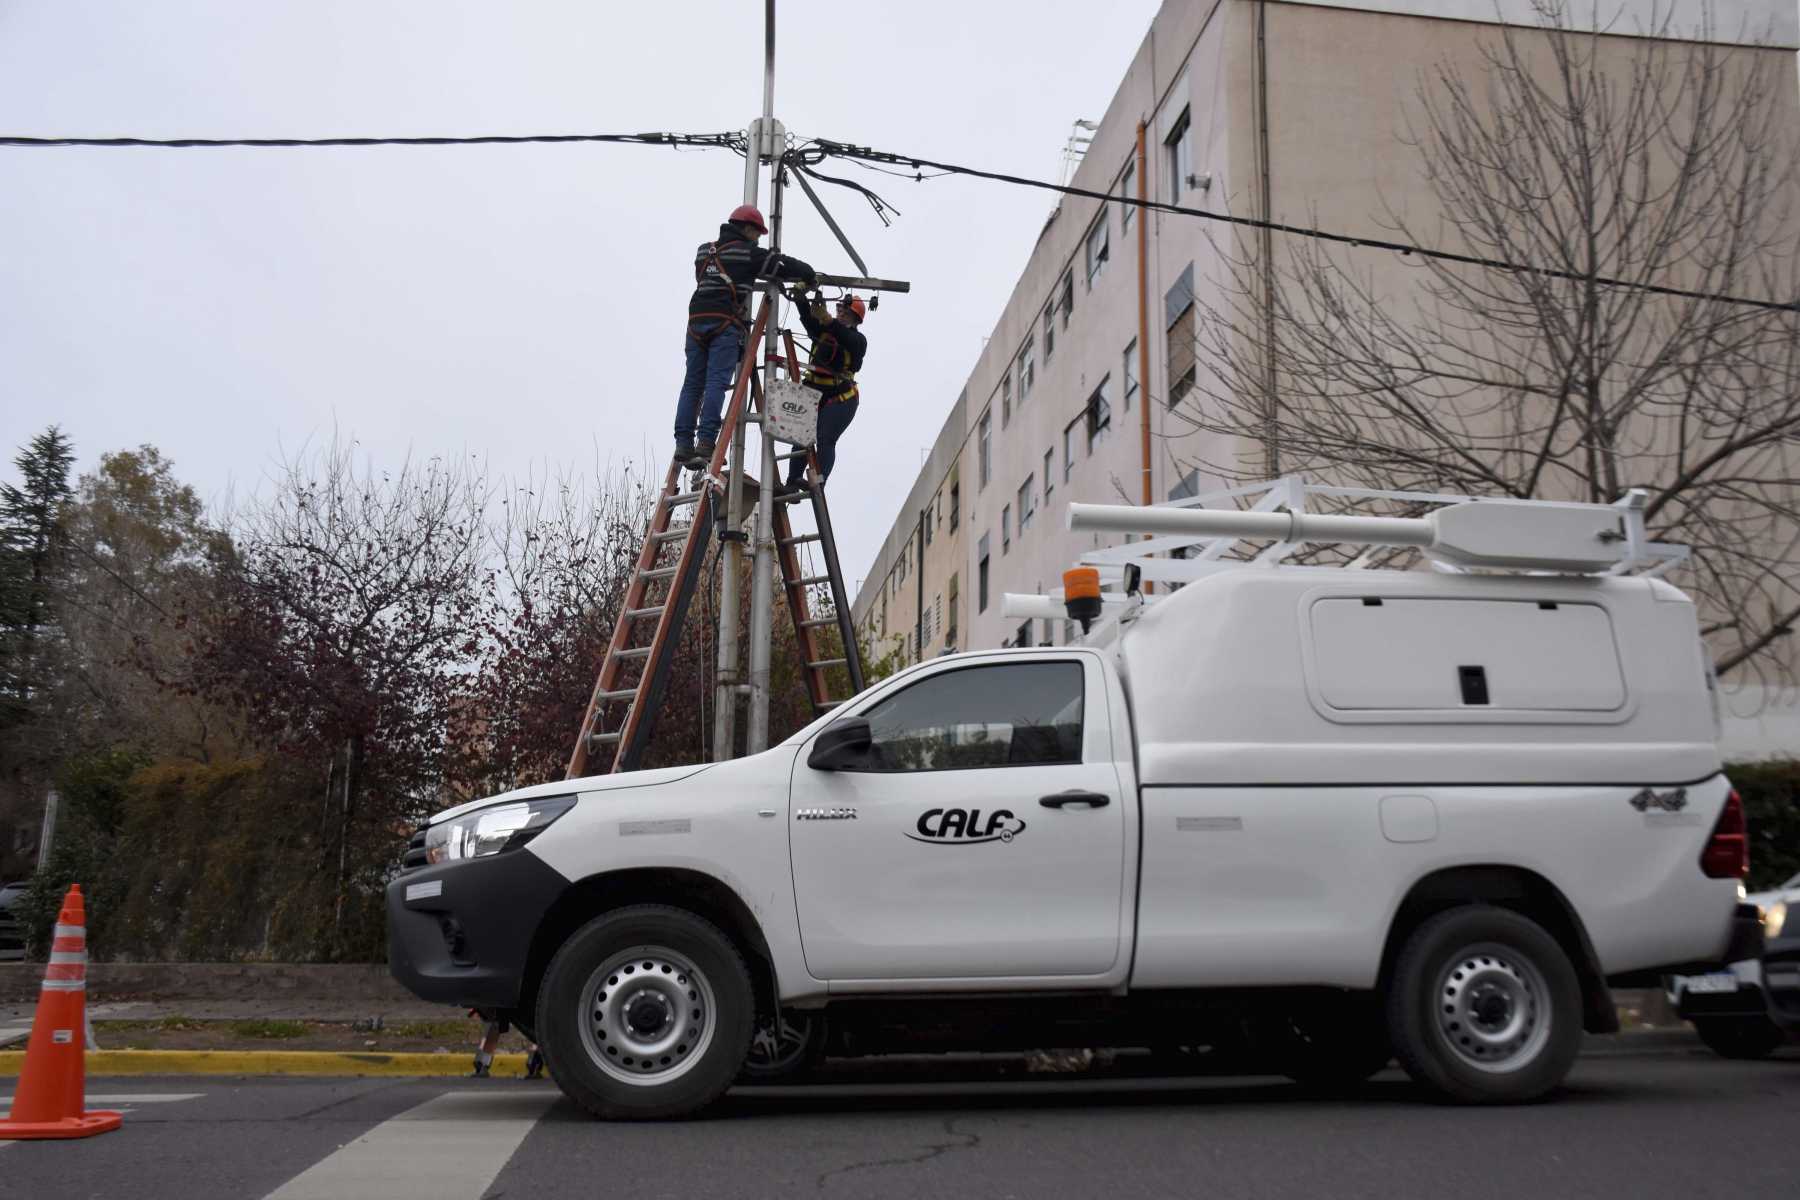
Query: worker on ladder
(838, 346)
(725, 274)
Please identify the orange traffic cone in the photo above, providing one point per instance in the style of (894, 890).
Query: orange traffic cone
(52, 1091)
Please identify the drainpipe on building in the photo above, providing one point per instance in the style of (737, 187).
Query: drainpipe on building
(919, 619)
(1271, 446)
(1143, 249)
(1143, 228)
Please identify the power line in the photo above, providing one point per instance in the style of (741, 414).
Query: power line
(864, 155)
(734, 141)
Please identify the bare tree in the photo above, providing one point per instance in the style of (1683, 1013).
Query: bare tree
(351, 621)
(1568, 159)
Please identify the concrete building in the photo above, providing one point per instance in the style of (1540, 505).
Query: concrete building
(1279, 110)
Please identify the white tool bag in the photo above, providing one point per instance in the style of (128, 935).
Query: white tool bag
(792, 413)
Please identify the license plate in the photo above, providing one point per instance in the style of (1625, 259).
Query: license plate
(1706, 984)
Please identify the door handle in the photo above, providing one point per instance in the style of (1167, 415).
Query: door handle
(1076, 796)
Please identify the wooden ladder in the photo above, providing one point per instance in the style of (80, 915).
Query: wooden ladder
(621, 713)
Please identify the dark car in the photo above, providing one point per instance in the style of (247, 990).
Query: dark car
(1749, 1009)
(12, 930)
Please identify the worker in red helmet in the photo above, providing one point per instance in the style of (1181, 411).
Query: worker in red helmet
(838, 347)
(725, 274)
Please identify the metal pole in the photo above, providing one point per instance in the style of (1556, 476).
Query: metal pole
(48, 834)
(725, 689)
(762, 579)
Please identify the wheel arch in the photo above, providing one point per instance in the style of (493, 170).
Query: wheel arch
(1523, 891)
(695, 891)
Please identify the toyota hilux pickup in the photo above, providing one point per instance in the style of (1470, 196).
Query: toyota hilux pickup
(1324, 818)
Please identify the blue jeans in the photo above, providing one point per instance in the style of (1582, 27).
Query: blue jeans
(833, 420)
(713, 350)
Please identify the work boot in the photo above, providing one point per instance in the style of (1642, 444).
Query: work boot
(790, 492)
(702, 455)
(480, 1071)
(684, 452)
(534, 1064)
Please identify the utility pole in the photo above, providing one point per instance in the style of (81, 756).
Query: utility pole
(766, 141)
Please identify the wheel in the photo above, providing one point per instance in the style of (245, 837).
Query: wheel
(646, 1012)
(1484, 1007)
(1332, 1048)
(1740, 1037)
(785, 1049)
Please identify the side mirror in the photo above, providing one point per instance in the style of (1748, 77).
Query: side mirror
(844, 746)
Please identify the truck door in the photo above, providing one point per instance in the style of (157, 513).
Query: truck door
(982, 835)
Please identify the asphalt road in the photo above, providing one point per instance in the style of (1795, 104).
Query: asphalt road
(1675, 1123)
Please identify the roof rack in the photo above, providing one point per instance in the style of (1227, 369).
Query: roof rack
(1265, 524)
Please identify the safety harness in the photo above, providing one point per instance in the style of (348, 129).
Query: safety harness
(733, 318)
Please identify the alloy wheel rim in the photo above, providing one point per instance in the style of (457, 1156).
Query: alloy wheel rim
(647, 1016)
(1492, 1008)
(778, 1044)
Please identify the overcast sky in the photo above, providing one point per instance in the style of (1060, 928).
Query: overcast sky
(524, 304)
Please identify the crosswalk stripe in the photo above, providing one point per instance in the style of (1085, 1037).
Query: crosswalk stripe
(122, 1101)
(448, 1148)
(132, 1098)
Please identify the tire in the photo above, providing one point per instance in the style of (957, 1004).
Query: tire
(1484, 1007)
(646, 1012)
(1740, 1037)
(786, 1052)
(1333, 1048)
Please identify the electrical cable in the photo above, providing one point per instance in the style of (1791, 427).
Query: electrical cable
(733, 141)
(864, 156)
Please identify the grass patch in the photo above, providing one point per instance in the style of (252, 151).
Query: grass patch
(174, 1024)
(443, 1031)
(272, 1030)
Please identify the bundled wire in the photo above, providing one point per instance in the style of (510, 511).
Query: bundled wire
(732, 141)
(873, 159)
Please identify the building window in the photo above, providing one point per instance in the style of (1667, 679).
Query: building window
(1098, 415)
(1049, 330)
(1099, 248)
(981, 576)
(1129, 372)
(1027, 503)
(1005, 528)
(1128, 191)
(984, 438)
(1178, 154)
(1178, 321)
(955, 504)
(1069, 449)
(1049, 475)
(1006, 400)
(1188, 488)
(1068, 296)
(1027, 368)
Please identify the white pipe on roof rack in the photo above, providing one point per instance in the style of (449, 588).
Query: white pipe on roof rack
(1277, 526)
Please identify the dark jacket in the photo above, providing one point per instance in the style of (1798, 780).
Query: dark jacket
(725, 273)
(837, 352)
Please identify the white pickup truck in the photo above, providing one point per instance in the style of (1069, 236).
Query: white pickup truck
(1313, 818)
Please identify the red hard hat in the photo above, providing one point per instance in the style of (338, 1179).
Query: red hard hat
(749, 214)
(855, 305)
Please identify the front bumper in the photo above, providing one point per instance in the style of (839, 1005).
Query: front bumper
(460, 932)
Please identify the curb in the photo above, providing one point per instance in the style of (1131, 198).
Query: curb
(277, 1062)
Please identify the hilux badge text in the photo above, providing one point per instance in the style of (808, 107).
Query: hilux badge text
(966, 826)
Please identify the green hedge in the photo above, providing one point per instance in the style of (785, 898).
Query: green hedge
(1771, 792)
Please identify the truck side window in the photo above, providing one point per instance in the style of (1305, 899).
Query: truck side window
(1014, 715)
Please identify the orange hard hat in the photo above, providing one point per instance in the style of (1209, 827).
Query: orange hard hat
(855, 305)
(749, 214)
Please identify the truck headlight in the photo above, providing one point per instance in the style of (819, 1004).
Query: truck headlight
(493, 830)
(1774, 918)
